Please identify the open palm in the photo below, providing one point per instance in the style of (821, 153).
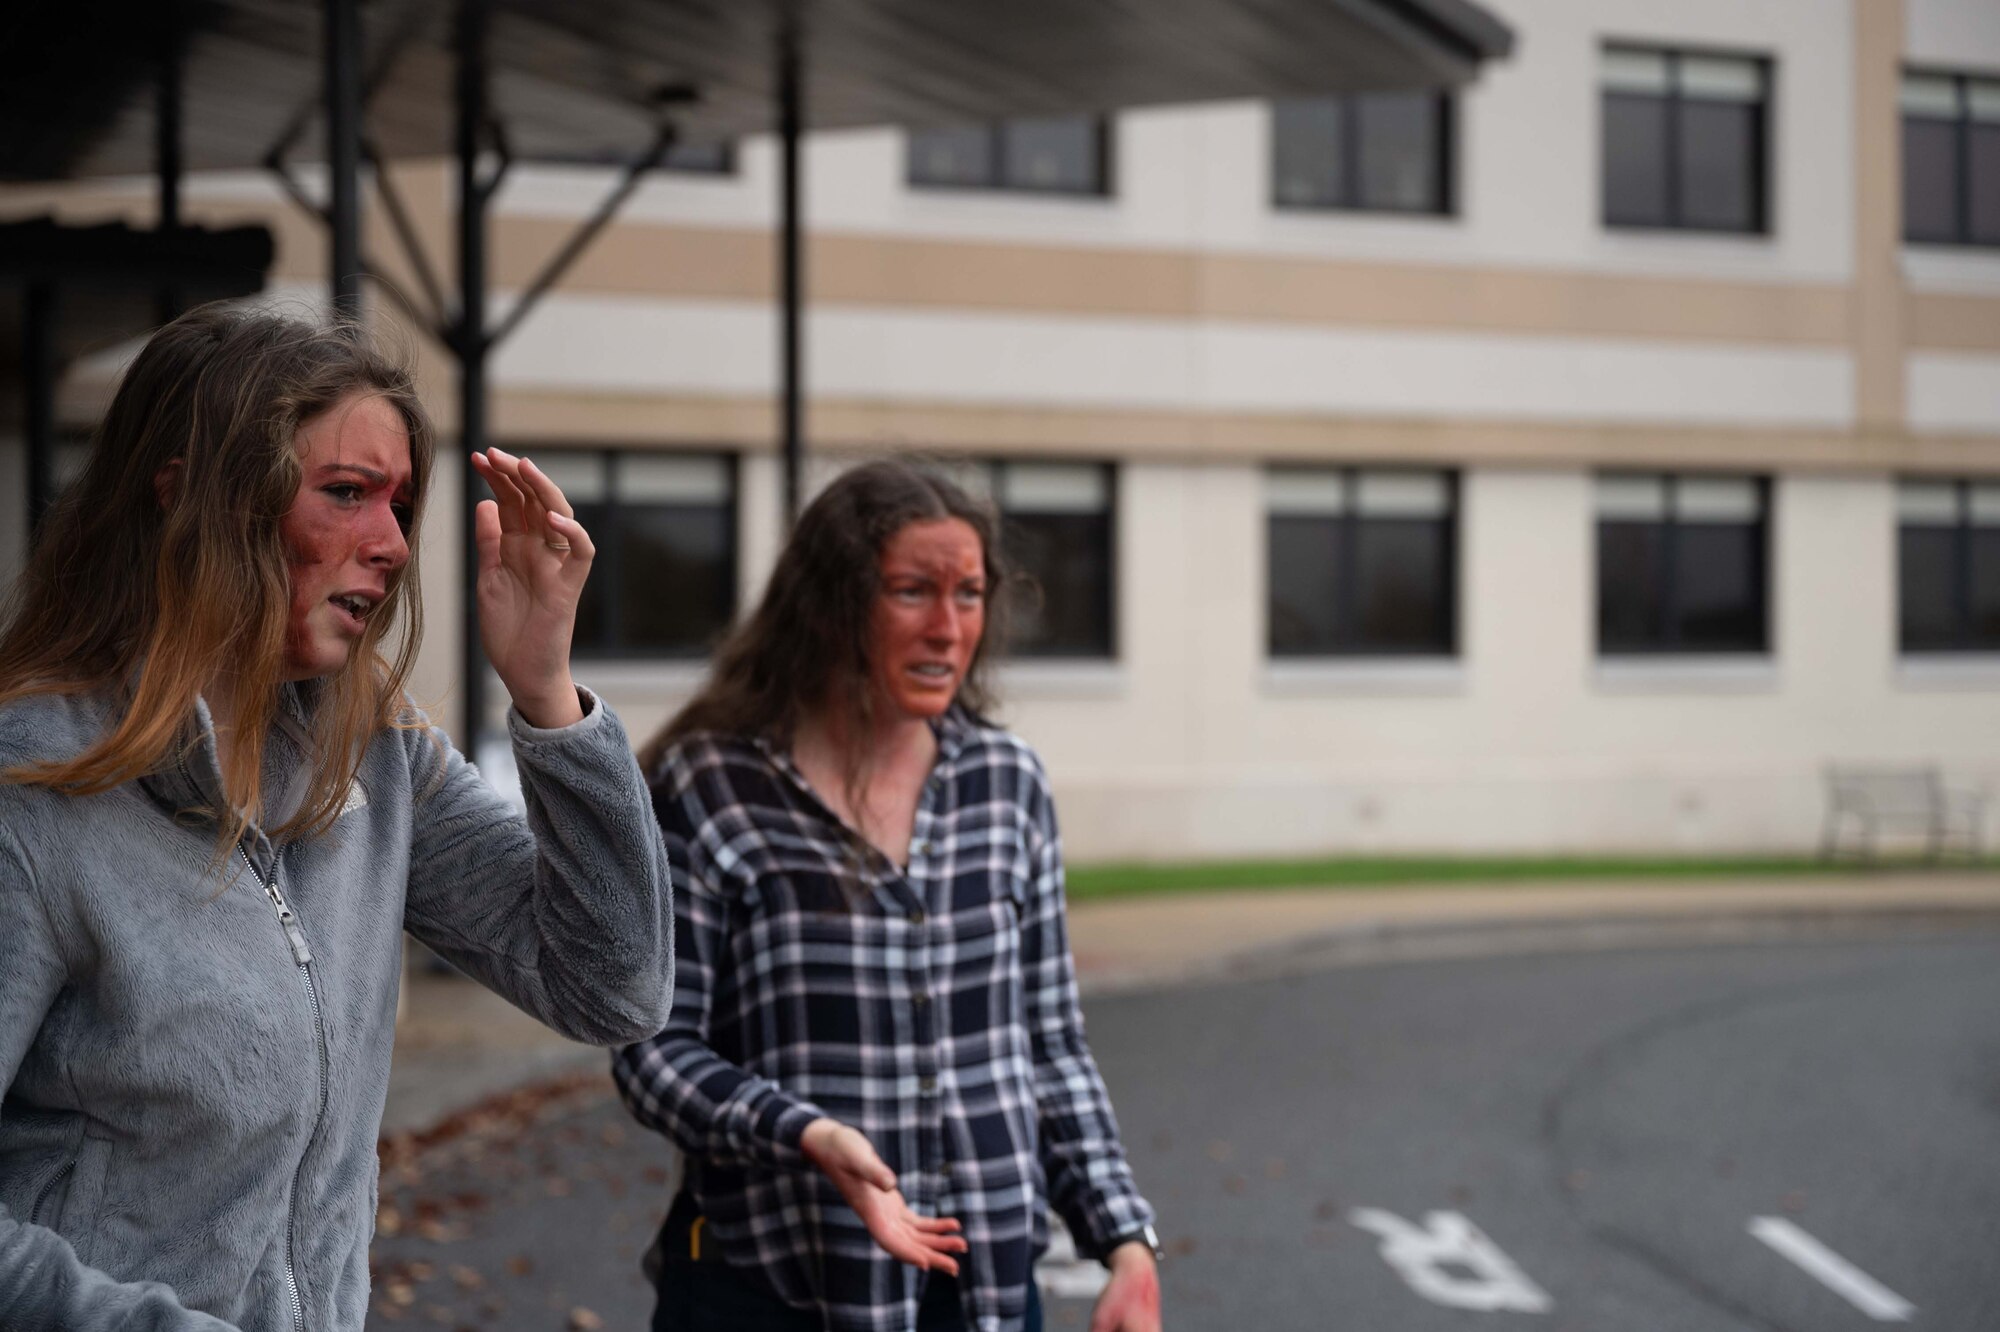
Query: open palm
(533, 559)
(847, 1158)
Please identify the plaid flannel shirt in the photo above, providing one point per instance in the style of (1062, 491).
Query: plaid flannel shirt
(933, 1008)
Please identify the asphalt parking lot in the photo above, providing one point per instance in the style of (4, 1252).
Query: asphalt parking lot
(1785, 1134)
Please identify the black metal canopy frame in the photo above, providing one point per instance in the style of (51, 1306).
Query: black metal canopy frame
(483, 157)
(66, 291)
(93, 88)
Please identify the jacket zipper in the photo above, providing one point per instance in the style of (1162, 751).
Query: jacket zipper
(35, 1214)
(302, 955)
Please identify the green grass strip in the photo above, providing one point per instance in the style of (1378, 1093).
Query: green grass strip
(1127, 879)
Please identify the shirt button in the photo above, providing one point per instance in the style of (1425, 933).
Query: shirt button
(926, 1084)
(945, 1170)
(917, 917)
(923, 848)
(920, 998)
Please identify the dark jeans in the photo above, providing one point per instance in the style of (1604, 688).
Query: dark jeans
(706, 1294)
(712, 1296)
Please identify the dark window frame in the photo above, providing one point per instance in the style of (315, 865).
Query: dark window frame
(1961, 130)
(1102, 187)
(1675, 209)
(727, 166)
(994, 468)
(1668, 640)
(607, 570)
(1347, 571)
(1962, 565)
(1446, 148)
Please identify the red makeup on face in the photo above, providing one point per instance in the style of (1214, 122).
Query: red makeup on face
(928, 616)
(346, 532)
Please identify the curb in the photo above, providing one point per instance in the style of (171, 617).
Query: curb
(1387, 942)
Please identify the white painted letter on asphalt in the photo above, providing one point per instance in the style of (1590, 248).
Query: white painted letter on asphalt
(1833, 1271)
(1449, 1261)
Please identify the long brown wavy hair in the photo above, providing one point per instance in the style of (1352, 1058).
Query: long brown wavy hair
(145, 594)
(805, 650)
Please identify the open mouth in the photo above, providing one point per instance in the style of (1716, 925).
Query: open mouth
(355, 608)
(934, 671)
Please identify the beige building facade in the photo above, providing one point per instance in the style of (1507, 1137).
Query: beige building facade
(1633, 479)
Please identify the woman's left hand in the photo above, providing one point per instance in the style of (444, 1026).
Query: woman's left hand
(845, 1156)
(533, 559)
(1130, 1301)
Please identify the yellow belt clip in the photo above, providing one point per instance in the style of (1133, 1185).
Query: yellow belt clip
(694, 1238)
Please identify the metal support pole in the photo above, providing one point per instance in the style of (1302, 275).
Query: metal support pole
(38, 375)
(791, 263)
(343, 154)
(167, 141)
(471, 342)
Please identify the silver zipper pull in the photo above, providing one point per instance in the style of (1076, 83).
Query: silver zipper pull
(293, 934)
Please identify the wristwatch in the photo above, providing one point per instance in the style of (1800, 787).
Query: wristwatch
(1145, 1235)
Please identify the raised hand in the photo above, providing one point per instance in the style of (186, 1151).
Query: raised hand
(533, 559)
(847, 1158)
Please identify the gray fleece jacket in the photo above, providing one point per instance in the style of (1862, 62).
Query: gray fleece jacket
(195, 1071)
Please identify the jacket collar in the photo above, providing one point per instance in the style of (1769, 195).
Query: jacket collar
(188, 781)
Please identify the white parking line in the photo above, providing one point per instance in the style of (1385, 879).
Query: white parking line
(1833, 1271)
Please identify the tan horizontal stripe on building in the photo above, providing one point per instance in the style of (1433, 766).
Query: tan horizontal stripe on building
(722, 263)
(733, 264)
(647, 259)
(1951, 321)
(1512, 300)
(853, 425)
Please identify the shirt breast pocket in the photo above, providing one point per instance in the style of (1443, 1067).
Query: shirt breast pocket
(991, 904)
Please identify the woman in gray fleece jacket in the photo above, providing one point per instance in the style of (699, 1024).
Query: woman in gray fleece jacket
(219, 812)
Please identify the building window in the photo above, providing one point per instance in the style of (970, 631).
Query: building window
(1951, 159)
(1681, 564)
(1050, 155)
(664, 581)
(1057, 528)
(701, 159)
(1375, 152)
(1685, 140)
(1948, 566)
(1361, 562)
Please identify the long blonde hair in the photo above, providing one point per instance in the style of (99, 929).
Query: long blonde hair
(145, 596)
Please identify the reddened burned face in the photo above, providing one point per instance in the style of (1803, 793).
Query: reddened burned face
(929, 615)
(347, 532)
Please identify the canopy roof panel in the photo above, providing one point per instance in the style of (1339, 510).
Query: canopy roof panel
(105, 280)
(577, 80)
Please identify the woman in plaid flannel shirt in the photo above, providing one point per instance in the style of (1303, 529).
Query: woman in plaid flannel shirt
(876, 1065)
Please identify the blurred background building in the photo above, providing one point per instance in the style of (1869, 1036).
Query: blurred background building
(1580, 461)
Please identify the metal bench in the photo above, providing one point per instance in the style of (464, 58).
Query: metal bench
(1880, 799)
